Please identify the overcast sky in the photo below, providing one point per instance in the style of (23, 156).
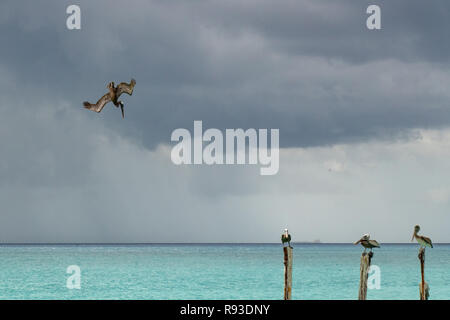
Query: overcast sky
(364, 120)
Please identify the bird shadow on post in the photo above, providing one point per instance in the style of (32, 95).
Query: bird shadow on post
(287, 272)
(366, 259)
(424, 294)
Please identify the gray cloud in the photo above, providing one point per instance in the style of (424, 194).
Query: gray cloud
(309, 68)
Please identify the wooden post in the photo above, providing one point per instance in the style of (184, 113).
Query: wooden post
(366, 259)
(424, 289)
(287, 273)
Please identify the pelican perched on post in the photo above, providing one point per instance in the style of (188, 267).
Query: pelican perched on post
(113, 96)
(286, 237)
(367, 243)
(422, 240)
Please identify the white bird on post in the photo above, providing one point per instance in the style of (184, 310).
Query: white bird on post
(286, 238)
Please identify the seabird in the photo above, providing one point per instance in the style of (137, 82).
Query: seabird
(422, 240)
(286, 237)
(367, 243)
(113, 96)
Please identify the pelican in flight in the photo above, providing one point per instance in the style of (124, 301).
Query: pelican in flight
(113, 96)
(422, 240)
(286, 238)
(367, 243)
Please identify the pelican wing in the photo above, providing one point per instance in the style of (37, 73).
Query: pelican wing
(124, 87)
(99, 105)
(374, 243)
(427, 242)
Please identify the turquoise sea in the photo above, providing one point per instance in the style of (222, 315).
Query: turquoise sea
(215, 271)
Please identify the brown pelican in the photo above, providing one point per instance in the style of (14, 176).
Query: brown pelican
(367, 243)
(286, 237)
(422, 240)
(113, 96)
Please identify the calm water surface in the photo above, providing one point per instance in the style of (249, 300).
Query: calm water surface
(215, 271)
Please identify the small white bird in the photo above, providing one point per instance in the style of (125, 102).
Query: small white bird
(286, 238)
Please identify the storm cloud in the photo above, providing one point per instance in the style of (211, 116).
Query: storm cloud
(341, 95)
(311, 69)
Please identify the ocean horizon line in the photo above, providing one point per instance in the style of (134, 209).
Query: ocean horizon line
(192, 243)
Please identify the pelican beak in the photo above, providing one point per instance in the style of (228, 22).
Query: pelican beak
(357, 241)
(121, 107)
(412, 237)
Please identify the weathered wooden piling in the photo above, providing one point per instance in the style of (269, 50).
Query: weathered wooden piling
(287, 273)
(424, 289)
(366, 259)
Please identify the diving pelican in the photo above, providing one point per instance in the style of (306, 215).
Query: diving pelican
(286, 237)
(367, 243)
(113, 96)
(422, 240)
